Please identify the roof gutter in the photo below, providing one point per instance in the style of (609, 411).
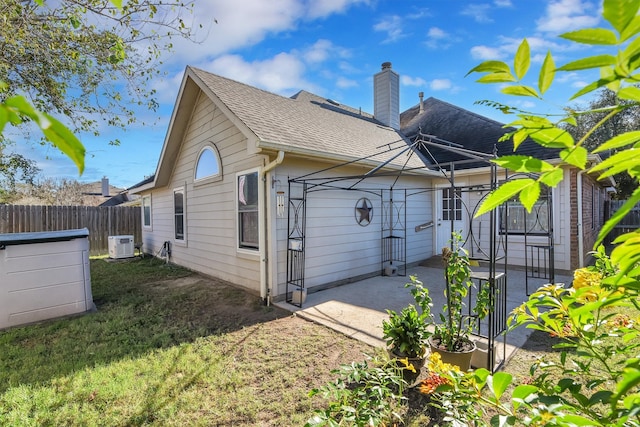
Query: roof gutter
(265, 262)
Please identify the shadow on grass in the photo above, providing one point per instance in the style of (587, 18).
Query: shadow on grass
(142, 305)
(540, 341)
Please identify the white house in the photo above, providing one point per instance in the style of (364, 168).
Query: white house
(271, 193)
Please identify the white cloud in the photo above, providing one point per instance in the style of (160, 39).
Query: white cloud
(507, 47)
(323, 50)
(412, 81)
(344, 83)
(167, 87)
(479, 12)
(436, 33)
(503, 3)
(282, 74)
(568, 15)
(323, 8)
(246, 23)
(485, 53)
(393, 26)
(437, 38)
(440, 84)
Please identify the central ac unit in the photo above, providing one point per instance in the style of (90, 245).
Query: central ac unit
(121, 246)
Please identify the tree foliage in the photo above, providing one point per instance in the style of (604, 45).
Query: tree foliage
(620, 73)
(86, 62)
(626, 120)
(596, 388)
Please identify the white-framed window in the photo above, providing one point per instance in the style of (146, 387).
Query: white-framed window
(451, 204)
(208, 164)
(514, 218)
(247, 207)
(146, 211)
(179, 214)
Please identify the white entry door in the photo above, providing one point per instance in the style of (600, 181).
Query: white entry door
(450, 215)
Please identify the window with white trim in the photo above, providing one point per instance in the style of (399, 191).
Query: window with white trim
(514, 218)
(146, 211)
(451, 204)
(208, 164)
(179, 214)
(248, 210)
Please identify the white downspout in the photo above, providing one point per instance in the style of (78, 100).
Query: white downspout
(580, 226)
(266, 229)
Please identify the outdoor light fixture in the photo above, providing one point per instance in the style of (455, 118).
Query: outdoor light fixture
(280, 203)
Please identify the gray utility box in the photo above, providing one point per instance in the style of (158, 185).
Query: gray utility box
(44, 275)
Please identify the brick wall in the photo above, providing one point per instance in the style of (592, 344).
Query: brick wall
(593, 215)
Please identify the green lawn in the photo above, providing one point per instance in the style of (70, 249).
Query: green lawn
(167, 347)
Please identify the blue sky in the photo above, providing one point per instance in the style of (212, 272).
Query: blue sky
(333, 48)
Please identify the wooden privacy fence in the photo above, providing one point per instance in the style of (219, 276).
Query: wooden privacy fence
(629, 223)
(101, 222)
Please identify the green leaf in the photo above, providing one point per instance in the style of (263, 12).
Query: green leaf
(117, 3)
(520, 90)
(65, 140)
(523, 393)
(630, 52)
(576, 156)
(502, 421)
(627, 252)
(577, 420)
(529, 196)
(589, 62)
(630, 379)
(491, 66)
(619, 141)
(631, 93)
(552, 178)
(4, 117)
(499, 383)
(604, 81)
(597, 36)
(631, 30)
(619, 13)
(522, 60)
(519, 163)
(497, 77)
(503, 193)
(547, 73)
(53, 130)
(552, 137)
(615, 161)
(620, 213)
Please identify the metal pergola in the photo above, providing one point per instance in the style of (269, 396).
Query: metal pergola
(394, 201)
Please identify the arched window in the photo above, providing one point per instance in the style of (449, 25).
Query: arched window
(208, 164)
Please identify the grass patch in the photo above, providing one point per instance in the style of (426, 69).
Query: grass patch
(167, 347)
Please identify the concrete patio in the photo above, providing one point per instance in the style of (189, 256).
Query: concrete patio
(358, 309)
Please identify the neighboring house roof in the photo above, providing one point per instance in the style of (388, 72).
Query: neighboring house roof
(119, 199)
(463, 127)
(304, 124)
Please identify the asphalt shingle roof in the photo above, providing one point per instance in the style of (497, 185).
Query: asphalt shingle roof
(308, 123)
(457, 125)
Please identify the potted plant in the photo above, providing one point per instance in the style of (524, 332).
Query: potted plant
(407, 333)
(451, 337)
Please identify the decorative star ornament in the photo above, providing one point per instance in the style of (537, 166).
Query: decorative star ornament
(364, 212)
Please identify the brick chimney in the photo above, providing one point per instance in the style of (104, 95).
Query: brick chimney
(105, 187)
(386, 96)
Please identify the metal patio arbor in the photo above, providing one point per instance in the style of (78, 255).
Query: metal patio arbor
(393, 231)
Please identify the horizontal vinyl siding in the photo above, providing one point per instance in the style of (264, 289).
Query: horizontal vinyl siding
(336, 247)
(210, 220)
(478, 241)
